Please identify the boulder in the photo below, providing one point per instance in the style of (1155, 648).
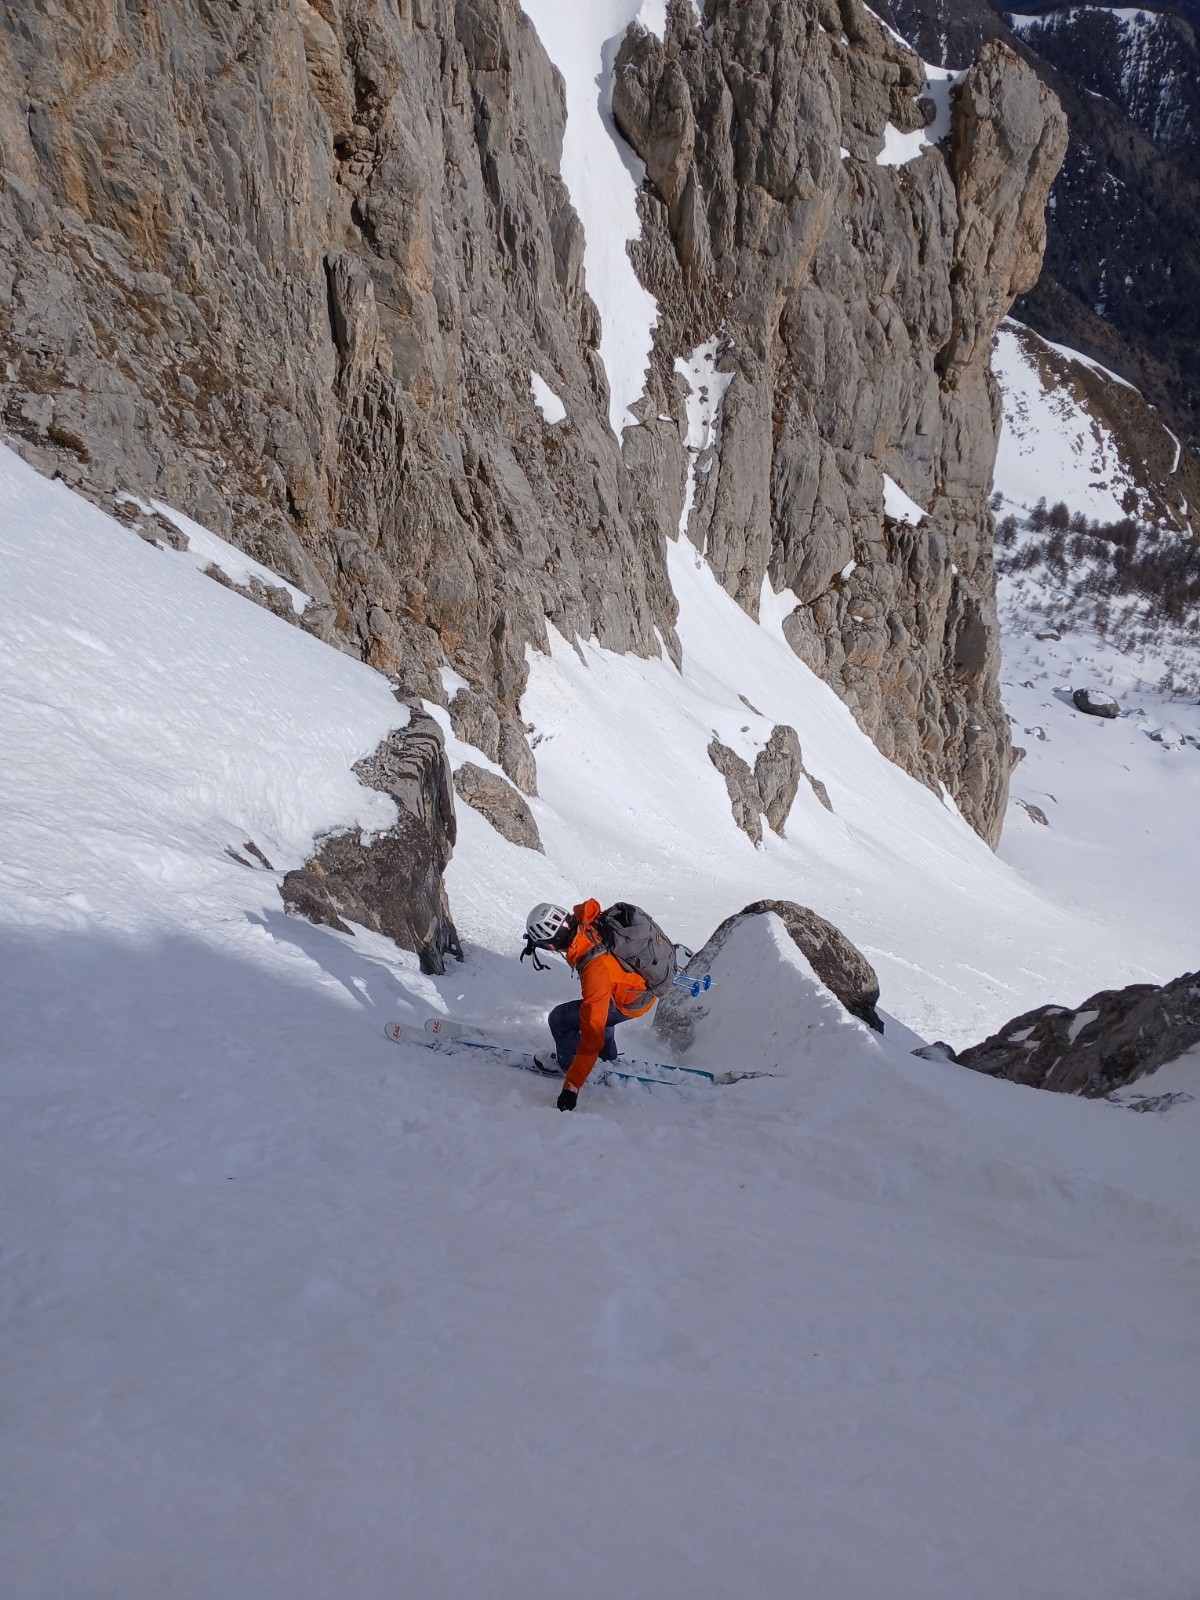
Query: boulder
(840, 966)
(1112, 1039)
(391, 881)
(496, 799)
(778, 768)
(769, 789)
(1095, 705)
(744, 797)
(938, 1050)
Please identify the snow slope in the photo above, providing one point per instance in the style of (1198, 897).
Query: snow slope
(603, 176)
(291, 1311)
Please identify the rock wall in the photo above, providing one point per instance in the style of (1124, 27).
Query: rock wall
(289, 267)
(854, 305)
(1121, 280)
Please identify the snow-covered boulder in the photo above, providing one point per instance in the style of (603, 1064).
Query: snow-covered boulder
(1113, 1039)
(1096, 705)
(778, 971)
(391, 880)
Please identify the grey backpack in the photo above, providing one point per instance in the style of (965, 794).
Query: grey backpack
(639, 944)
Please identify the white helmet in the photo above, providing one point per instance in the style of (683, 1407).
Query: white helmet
(544, 921)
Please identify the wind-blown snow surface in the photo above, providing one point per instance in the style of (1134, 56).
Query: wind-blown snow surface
(290, 1311)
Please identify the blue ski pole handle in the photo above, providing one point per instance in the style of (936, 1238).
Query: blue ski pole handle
(694, 986)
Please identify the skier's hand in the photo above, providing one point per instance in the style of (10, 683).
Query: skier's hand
(567, 1099)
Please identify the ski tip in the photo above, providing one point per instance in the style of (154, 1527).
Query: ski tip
(394, 1031)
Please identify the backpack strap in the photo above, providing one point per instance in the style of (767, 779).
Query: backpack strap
(598, 947)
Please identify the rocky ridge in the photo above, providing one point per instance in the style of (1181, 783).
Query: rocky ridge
(1112, 1039)
(289, 268)
(1122, 273)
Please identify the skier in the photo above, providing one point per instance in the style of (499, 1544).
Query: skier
(583, 1029)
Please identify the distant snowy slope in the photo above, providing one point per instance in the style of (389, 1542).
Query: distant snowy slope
(1076, 432)
(1051, 446)
(291, 1310)
(1119, 798)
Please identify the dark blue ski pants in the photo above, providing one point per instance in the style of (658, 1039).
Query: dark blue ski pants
(564, 1025)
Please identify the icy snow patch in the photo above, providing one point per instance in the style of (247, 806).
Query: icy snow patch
(548, 402)
(899, 506)
(453, 683)
(1079, 1024)
(604, 176)
(706, 396)
(901, 148)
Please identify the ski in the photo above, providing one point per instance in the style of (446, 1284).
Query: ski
(448, 1042)
(446, 1028)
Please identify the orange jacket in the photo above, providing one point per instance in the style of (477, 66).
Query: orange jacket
(602, 979)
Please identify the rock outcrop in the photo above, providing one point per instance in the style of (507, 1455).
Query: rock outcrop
(839, 964)
(768, 789)
(290, 269)
(497, 800)
(392, 881)
(1112, 1039)
(1121, 234)
(745, 801)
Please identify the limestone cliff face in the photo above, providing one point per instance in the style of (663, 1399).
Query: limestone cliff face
(855, 305)
(289, 266)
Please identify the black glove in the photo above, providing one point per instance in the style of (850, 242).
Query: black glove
(567, 1099)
